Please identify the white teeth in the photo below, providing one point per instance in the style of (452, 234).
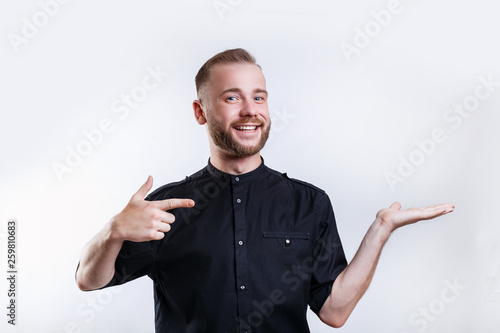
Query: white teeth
(246, 128)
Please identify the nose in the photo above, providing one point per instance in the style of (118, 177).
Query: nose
(248, 108)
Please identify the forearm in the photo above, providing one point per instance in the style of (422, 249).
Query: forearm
(352, 283)
(97, 263)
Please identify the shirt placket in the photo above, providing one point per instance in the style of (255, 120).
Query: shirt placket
(240, 238)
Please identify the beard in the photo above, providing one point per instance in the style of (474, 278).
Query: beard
(223, 139)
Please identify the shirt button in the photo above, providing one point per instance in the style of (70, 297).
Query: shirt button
(237, 179)
(242, 287)
(240, 242)
(238, 200)
(287, 241)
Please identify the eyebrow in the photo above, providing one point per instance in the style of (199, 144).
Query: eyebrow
(238, 90)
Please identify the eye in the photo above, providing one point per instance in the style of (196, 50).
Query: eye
(231, 98)
(259, 99)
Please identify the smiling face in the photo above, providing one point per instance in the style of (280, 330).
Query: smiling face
(233, 104)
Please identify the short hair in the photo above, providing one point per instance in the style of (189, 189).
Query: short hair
(226, 57)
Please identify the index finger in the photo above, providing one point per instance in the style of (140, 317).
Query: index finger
(168, 204)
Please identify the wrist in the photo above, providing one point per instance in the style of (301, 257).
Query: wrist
(379, 231)
(113, 231)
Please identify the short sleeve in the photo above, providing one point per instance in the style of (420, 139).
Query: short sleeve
(328, 253)
(135, 259)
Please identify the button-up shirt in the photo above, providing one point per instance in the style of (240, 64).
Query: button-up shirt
(250, 256)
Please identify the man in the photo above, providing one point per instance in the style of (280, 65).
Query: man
(257, 247)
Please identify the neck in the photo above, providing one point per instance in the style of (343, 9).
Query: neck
(235, 165)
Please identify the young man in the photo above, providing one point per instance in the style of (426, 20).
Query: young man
(250, 248)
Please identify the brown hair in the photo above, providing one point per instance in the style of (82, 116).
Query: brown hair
(225, 57)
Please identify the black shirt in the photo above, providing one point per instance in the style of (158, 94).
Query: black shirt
(252, 253)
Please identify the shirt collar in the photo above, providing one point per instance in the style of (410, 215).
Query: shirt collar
(237, 178)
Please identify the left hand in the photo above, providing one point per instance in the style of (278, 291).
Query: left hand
(393, 217)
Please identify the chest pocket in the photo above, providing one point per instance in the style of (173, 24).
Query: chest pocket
(284, 250)
(286, 238)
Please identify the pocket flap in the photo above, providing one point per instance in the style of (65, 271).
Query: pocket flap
(286, 234)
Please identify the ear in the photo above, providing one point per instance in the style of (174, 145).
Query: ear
(199, 112)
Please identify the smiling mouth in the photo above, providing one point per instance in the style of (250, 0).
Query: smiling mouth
(246, 128)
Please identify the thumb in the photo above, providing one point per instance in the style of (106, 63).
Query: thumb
(144, 189)
(396, 205)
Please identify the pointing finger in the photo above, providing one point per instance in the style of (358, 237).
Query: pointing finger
(174, 203)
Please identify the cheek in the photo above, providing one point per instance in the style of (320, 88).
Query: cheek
(263, 109)
(227, 110)
(220, 113)
(265, 114)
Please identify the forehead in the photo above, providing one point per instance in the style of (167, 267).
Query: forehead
(237, 75)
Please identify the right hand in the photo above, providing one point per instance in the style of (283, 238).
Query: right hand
(142, 220)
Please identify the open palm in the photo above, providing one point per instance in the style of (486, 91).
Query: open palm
(394, 217)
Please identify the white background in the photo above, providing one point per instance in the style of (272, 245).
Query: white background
(349, 120)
